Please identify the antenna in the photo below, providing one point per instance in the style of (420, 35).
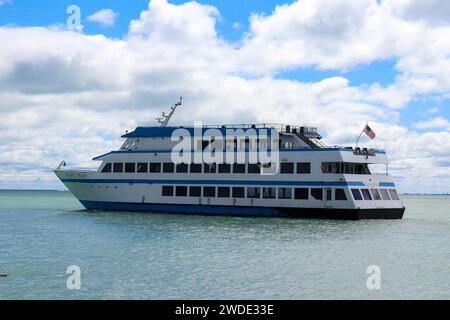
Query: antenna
(164, 119)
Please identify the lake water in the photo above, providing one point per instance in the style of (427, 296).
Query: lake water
(125, 255)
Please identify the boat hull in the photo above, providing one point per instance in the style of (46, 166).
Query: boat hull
(314, 213)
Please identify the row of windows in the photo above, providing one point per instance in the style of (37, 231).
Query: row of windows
(249, 192)
(343, 167)
(169, 167)
(375, 194)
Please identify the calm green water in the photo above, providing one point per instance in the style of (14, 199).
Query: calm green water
(156, 256)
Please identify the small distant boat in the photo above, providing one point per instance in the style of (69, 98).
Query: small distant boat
(309, 179)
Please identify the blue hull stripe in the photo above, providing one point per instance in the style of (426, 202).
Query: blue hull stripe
(220, 182)
(387, 184)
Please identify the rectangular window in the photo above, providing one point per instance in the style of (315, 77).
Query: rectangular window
(181, 191)
(118, 167)
(301, 193)
(287, 167)
(394, 194)
(209, 168)
(284, 193)
(168, 167)
(253, 168)
(385, 194)
(209, 192)
(223, 192)
(182, 168)
(375, 194)
(269, 193)
(317, 193)
(303, 167)
(196, 168)
(155, 167)
(238, 167)
(130, 167)
(356, 194)
(167, 191)
(253, 192)
(224, 168)
(238, 192)
(107, 168)
(366, 194)
(339, 194)
(195, 191)
(142, 167)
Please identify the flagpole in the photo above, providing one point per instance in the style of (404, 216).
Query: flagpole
(357, 140)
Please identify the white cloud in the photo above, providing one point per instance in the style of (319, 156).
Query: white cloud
(71, 96)
(435, 123)
(105, 17)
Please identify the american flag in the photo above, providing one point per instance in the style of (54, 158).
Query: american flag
(370, 133)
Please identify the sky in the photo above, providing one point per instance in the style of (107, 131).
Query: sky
(68, 91)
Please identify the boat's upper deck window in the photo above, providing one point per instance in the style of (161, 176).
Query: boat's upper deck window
(345, 168)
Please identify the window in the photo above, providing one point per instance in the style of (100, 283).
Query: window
(253, 192)
(182, 168)
(301, 193)
(287, 167)
(375, 194)
(238, 167)
(269, 193)
(385, 194)
(167, 191)
(303, 167)
(106, 168)
(238, 192)
(356, 194)
(156, 167)
(317, 193)
(168, 167)
(181, 191)
(253, 168)
(224, 168)
(142, 167)
(394, 194)
(339, 194)
(209, 168)
(285, 193)
(195, 191)
(118, 167)
(209, 191)
(366, 194)
(196, 168)
(328, 194)
(130, 167)
(223, 192)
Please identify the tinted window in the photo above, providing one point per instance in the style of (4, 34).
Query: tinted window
(223, 192)
(385, 194)
(375, 194)
(168, 167)
(167, 191)
(284, 193)
(142, 167)
(366, 194)
(301, 193)
(287, 167)
(107, 168)
(356, 194)
(196, 167)
(269, 193)
(238, 192)
(182, 168)
(394, 195)
(303, 167)
(317, 193)
(209, 168)
(224, 168)
(118, 167)
(209, 191)
(253, 192)
(181, 191)
(130, 167)
(238, 167)
(195, 191)
(340, 194)
(253, 168)
(156, 167)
